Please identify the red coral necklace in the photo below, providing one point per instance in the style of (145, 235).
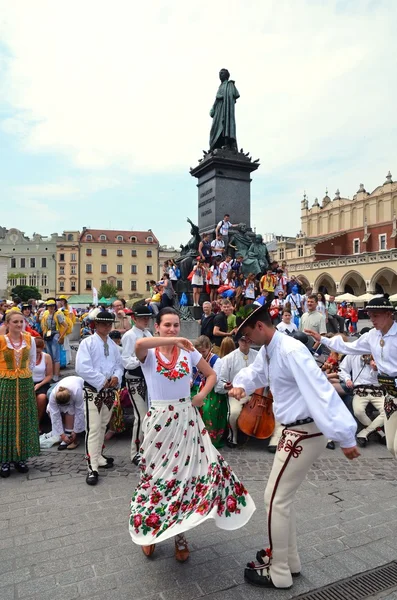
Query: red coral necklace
(165, 364)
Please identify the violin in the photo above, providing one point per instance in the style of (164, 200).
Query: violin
(257, 418)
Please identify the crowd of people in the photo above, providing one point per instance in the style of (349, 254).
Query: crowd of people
(187, 399)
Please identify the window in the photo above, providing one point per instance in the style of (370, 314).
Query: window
(104, 252)
(23, 263)
(73, 269)
(13, 263)
(102, 237)
(149, 270)
(134, 270)
(72, 286)
(88, 252)
(70, 237)
(62, 270)
(300, 250)
(73, 257)
(22, 281)
(281, 253)
(133, 286)
(44, 281)
(133, 239)
(119, 285)
(62, 258)
(119, 268)
(13, 282)
(119, 252)
(148, 286)
(148, 253)
(88, 268)
(150, 239)
(43, 263)
(88, 237)
(88, 284)
(356, 246)
(104, 268)
(61, 286)
(119, 238)
(133, 252)
(382, 241)
(32, 263)
(32, 280)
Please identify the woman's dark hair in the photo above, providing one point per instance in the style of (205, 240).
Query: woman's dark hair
(166, 311)
(166, 276)
(323, 300)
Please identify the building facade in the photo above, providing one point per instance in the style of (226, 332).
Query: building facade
(4, 262)
(127, 260)
(68, 264)
(32, 261)
(165, 253)
(346, 245)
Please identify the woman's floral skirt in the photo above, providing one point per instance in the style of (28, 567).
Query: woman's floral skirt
(184, 479)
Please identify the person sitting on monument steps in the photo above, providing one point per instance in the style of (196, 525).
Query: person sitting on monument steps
(360, 374)
(310, 410)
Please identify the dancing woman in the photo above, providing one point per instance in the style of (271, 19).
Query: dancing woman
(184, 480)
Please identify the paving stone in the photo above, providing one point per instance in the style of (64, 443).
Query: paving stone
(35, 586)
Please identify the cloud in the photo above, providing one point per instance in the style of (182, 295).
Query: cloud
(131, 85)
(127, 88)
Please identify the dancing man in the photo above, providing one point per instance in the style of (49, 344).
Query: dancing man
(136, 385)
(98, 362)
(311, 411)
(381, 342)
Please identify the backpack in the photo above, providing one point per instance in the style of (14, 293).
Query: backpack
(177, 272)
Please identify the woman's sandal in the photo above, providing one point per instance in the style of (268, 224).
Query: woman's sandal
(148, 550)
(181, 548)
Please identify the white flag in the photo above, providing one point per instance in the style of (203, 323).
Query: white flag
(95, 296)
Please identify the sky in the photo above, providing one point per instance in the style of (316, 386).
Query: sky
(104, 107)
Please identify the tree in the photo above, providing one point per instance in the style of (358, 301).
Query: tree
(25, 292)
(107, 290)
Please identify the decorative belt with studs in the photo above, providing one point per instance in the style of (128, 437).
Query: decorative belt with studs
(299, 422)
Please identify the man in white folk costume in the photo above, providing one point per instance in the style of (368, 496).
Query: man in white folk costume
(360, 376)
(310, 411)
(136, 385)
(98, 362)
(232, 364)
(381, 342)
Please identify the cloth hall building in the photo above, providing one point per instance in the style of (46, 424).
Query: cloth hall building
(346, 245)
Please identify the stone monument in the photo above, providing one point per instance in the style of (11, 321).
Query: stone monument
(224, 173)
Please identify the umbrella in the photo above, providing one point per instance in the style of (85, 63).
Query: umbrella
(366, 297)
(346, 298)
(106, 301)
(393, 298)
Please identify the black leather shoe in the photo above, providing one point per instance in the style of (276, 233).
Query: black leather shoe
(272, 449)
(21, 466)
(260, 555)
(261, 578)
(330, 446)
(361, 441)
(92, 478)
(231, 445)
(5, 470)
(108, 459)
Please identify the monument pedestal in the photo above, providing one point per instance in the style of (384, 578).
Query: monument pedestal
(224, 186)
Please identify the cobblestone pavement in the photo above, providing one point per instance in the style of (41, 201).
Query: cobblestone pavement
(60, 538)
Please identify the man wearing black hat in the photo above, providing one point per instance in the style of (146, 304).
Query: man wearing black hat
(311, 411)
(381, 342)
(134, 378)
(98, 362)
